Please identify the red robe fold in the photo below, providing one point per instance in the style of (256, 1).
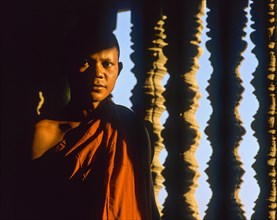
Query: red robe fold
(102, 169)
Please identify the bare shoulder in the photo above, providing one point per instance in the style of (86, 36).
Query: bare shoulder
(47, 124)
(47, 133)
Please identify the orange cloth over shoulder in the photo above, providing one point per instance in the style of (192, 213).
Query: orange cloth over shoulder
(105, 170)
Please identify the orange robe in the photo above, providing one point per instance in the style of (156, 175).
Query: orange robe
(101, 169)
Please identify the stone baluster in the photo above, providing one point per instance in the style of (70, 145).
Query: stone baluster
(181, 134)
(149, 70)
(264, 37)
(226, 21)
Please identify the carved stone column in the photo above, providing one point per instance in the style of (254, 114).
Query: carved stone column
(153, 89)
(181, 134)
(226, 21)
(147, 99)
(264, 125)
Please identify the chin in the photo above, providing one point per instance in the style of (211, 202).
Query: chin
(97, 98)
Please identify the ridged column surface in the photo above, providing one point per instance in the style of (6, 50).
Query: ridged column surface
(226, 21)
(149, 74)
(181, 134)
(264, 37)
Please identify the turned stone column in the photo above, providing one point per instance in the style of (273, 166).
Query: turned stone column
(149, 39)
(226, 21)
(181, 135)
(265, 78)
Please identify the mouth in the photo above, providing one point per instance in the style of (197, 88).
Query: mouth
(98, 86)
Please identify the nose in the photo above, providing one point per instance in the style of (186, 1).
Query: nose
(99, 71)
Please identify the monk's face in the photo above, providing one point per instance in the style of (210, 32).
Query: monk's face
(98, 74)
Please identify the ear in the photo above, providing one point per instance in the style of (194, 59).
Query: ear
(120, 67)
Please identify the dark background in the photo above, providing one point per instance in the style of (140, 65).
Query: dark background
(31, 35)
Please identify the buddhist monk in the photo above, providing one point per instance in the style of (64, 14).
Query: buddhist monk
(92, 160)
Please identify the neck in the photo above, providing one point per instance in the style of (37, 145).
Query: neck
(83, 110)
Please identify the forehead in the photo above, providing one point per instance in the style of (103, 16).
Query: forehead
(110, 53)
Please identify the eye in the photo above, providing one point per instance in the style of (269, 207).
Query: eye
(107, 64)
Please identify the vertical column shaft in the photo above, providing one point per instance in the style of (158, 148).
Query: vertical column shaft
(149, 39)
(264, 125)
(226, 21)
(181, 132)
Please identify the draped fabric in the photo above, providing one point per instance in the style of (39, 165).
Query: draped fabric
(100, 170)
